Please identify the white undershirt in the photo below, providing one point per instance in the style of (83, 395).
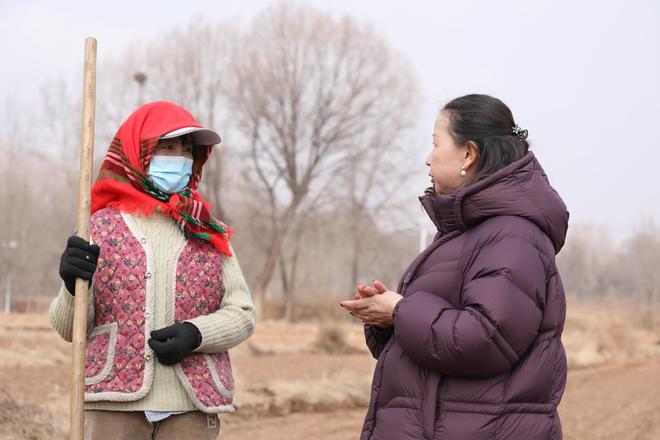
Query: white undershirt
(157, 416)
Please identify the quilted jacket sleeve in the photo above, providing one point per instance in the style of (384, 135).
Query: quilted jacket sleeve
(60, 313)
(236, 319)
(503, 298)
(377, 338)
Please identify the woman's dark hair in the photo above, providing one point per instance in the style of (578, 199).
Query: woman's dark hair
(489, 123)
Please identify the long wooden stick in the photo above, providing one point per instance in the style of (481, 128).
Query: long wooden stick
(77, 410)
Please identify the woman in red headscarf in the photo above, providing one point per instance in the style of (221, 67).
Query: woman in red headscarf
(169, 298)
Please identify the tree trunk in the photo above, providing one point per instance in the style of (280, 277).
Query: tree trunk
(279, 229)
(291, 290)
(264, 277)
(355, 263)
(285, 286)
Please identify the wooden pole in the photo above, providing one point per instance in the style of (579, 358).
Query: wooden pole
(77, 410)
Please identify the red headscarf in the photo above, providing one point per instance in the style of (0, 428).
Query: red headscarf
(123, 183)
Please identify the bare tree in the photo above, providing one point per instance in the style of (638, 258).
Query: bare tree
(308, 92)
(373, 181)
(292, 253)
(33, 192)
(119, 93)
(640, 263)
(585, 262)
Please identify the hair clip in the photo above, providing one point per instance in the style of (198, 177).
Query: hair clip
(519, 132)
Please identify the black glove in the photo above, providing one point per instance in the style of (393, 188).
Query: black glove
(173, 343)
(78, 261)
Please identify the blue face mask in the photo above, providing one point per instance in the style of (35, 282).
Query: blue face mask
(170, 173)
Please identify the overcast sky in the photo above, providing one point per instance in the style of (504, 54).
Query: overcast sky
(582, 76)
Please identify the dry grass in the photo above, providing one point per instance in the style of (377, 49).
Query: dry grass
(333, 339)
(280, 338)
(610, 330)
(25, 422)
(329, 393)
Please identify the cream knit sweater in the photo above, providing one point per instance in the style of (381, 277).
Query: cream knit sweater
(230, 325)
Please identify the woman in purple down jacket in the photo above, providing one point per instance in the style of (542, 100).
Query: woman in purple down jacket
(469, 346)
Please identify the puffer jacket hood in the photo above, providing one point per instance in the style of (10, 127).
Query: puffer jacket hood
(520, 189)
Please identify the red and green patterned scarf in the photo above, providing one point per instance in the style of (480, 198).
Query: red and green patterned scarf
(123, 183)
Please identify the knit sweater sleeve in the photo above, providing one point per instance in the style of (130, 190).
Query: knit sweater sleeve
(60, 313)
(235, 321)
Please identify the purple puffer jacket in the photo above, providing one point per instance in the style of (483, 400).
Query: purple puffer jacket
(475, 351)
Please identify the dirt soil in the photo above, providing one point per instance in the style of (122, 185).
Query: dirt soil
(604, 403)
(614, 400)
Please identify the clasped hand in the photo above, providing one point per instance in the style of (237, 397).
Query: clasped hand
(373, 304)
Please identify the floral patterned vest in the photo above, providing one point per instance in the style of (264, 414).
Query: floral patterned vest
(119, 362)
